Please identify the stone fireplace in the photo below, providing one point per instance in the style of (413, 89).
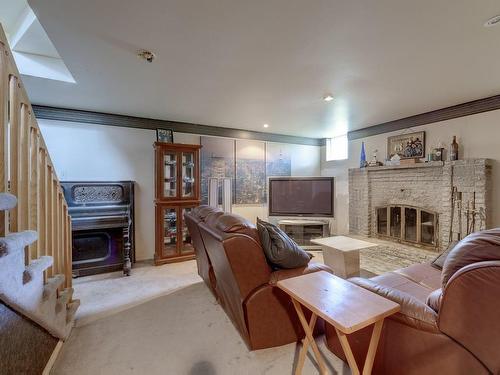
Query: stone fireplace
(423, 204)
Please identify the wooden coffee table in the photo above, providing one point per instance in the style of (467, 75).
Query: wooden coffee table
(341, 254)
(342, 304)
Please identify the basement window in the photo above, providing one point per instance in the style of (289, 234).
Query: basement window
(336, 148)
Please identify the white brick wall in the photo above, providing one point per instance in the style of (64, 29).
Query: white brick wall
(426, 185)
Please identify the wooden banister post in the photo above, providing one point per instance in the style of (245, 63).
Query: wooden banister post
(55, 218)
(50, 218)
(14, 109)
(42, 206)
(34, 208)
(4, 128)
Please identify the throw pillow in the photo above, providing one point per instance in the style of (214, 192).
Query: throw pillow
(438, 262)
(280, 250)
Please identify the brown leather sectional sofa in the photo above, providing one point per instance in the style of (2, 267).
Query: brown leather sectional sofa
(232, 263)
(449, 321)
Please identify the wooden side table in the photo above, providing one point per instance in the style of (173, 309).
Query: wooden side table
(341, 254)
(342, 304)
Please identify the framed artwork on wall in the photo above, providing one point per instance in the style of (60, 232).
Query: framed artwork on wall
(165, 135)
(407, 146)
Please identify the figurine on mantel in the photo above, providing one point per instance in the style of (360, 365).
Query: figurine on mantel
(374, 162)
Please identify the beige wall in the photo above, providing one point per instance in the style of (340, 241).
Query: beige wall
(99, 153)
(478, 137)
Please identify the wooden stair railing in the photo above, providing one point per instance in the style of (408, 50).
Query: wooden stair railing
(27, 172)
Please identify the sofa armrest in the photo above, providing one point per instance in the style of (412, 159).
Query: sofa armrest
(293, 272)
(413, 313)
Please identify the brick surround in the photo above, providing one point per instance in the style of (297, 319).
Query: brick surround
(424, 185)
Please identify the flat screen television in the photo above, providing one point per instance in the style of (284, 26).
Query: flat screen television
(301, 196)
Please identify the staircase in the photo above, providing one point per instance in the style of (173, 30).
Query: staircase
(23, 288)
(35, 228)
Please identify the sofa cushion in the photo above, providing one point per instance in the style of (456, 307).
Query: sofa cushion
(203, 211)
(399, 282)
(280, 250)
(423, 274)
(414, 312)
(476, 247)
(211, 218)
(283, 274)
(232, 223)
(438, 262)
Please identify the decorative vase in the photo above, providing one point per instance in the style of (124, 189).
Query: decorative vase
(362, 159)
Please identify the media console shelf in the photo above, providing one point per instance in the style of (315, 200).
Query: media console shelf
(303, 231)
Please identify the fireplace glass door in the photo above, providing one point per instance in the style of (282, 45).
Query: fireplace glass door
(428, 228)
(407, 224)
(410, 224)
(395, 223)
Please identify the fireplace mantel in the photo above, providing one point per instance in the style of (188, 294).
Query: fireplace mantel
(430, 164)
(425, 185)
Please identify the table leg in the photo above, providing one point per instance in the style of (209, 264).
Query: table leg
(308, 340)
(372, 349)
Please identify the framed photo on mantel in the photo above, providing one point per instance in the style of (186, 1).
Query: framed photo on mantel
(165, 135)
(407, 146)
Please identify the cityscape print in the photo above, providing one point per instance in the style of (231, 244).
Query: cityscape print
(247, 163)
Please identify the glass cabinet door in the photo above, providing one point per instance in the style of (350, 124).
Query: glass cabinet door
(187, 242)
(170, 175)
(188, 174)
(169, 231)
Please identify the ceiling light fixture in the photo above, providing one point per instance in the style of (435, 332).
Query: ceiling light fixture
(266, 125)
(328, 97)
(492, 21)
(147, 55)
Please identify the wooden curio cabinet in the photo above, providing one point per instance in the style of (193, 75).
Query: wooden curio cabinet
(177, 190)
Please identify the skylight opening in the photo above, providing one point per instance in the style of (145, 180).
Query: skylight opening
(33, 51)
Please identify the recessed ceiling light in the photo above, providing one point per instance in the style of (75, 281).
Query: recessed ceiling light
(266, 125)
(328, 97)
(492, 21)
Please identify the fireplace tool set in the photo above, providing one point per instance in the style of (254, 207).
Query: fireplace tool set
(462, 208)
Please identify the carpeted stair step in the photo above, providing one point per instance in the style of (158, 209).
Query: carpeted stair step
(51, 287)
(64, 299)
(18, 241)
(72, 307)
(36, 266)
(7, 201)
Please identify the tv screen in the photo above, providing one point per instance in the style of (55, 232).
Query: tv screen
(301, 196)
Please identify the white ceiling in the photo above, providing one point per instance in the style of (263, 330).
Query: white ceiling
(244, 63)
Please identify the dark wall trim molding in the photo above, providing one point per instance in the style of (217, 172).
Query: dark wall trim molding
(465, 109)
(73, 115)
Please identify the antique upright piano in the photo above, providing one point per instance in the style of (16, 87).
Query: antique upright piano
(102, 218)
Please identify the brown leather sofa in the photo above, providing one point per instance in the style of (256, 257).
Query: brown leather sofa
(205, 269)
(449, 321)
(228, 247)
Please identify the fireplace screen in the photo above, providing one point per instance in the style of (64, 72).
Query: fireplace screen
(407, 224)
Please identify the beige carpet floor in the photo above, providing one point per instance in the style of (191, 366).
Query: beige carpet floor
(106, 294)
(163, 320)
(183, 333)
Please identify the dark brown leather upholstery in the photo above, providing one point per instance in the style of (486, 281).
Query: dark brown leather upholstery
(192, 220)
(246, 285)
(449, 322)
(477, 247)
